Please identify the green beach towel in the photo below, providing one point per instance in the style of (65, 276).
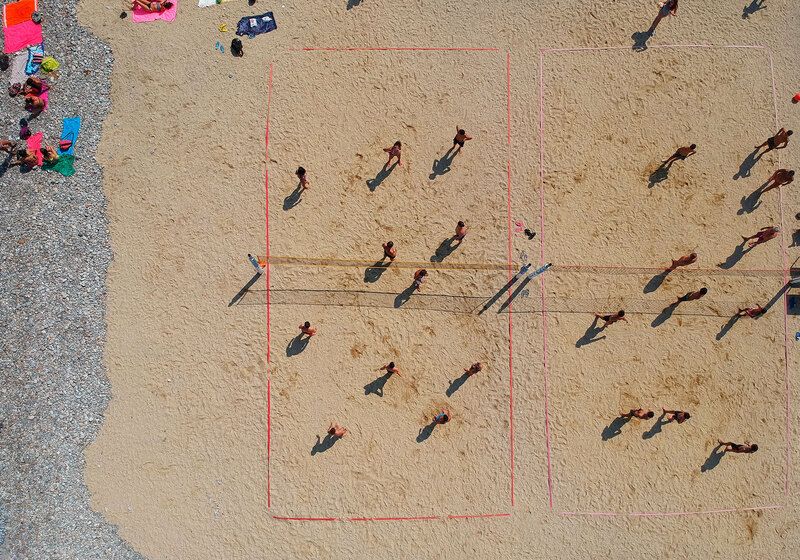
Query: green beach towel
(64, 165)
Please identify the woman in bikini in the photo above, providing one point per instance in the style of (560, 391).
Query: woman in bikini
(151, 5)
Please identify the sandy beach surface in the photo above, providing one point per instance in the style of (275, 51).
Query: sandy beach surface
(213, 443)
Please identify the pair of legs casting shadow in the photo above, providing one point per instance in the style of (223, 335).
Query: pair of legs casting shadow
(374, 272)
(656, 281)
(375, 387)
(385, 171)
(445, 249)
(747, 165)
(404, 296)
(324, 444)
(442, 165)
(713, 460)
(753, 7)
(753, 200)
(615, 427)
(591, 335)
(244, 290)
(738, 252)
(655, 429)
(294, 198)
(660, 175)
(426, 432)
(640, 39)
(297, 345)
(456, 384)
(665, 314)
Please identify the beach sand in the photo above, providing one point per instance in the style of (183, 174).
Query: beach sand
(209, 440)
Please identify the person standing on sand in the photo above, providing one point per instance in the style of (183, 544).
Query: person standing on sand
(389, 251)
(691, 258)
(666, 8)
(305, 329)
(336, 430)
(473, 369)
(679, 416)
(302, 176)
(641, 413)
(751, 312)
(259, 263)
(390, 368)
(762, 236)
(419, 277)
(778, 179)
(780, 140)
(691, 296)
(681, 154)
(611, 319)
(393, 152)
(459, 140)
(738, 447)
(461, 231)
(442, 418)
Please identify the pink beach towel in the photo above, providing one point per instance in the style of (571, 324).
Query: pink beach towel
(22, 35)
(140, 15)
(35, 144)
(45, 97)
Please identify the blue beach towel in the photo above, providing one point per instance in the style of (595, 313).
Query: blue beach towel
(255, 25)
(69, 132)
(35, 56)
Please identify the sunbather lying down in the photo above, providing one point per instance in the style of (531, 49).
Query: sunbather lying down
(151, 5)
(25, 158)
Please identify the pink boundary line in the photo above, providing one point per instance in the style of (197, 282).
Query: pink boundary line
(785, 271)
(349, 49)
(661, 514)
(269, 375)
(510, 343)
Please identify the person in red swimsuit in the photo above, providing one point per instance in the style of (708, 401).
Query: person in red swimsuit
(394, 152)
(461, 231)
(151, 5)
(751, 312)
(389, 251)
(666, 8)
(691, 258)
(762, 236)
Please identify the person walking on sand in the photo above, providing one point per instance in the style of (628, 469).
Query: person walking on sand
(459, 140)
(751, 312)
(641, 413)
(419, 277)
(778, 179)
(259, 263)
(305, 329)
(691, 258)
(780, 140)
(611, 319)
(762, 236)
(389, 251)
(390, 368)
(461, 231)
(393, 152)
(679, 416)
(442, 417)
(666, 8)
(738, 447)
(691, 296)
(681, 154)
(302, 176)
(473, 369)
(336, 430)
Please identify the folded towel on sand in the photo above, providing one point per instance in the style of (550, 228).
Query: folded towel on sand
(140, 15)
(64, 165)
(35, 57)
(17, 75)
(35, 144)
(255, 25)
(19, 12)
(69, 132)
(207, 3)
(22, 35)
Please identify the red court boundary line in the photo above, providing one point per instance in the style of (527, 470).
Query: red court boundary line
(785, 272)
(269, 374)
(510, 266)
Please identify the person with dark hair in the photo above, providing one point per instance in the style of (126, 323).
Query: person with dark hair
(305, 329)
(34, 104)
(679, 416)
(25, 158)
(394, 152)
(762, 236)
(738, 447)
(778, 179)
(301, 175)
(336, 430)
(692, 296)
(681, 154)
(49, 154)
(691, 258)
(461, 231)
(7, 146)
(419, 277)
(151, 5)
(640, 413)
(780, 140)
(460, 138)
(751, 312)
(390, 368)
(442, 418)
(474, 368)
(389, 251)
(259, 263)
(666, 8)
(612, 318)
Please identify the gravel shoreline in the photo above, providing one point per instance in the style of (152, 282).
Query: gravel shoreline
(54, 256)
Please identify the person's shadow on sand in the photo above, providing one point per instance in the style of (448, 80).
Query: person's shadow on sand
(656, 428)
(753, 7)
(404, 296)
(293, 199)
(445, 249)
(456, 384)
(713, 459)
(590, 334)
(738, 252)
(640, 39)
(656, 281)
(442, 165)
(323, 445)
(385, 171)
(727, 326)
(353, 3)
(426, 432)
(747, 165)
(297, 345)
(660, 175)
(752, 201)
(374, 272)
(665, 314)
(615, 427)
(375, 387)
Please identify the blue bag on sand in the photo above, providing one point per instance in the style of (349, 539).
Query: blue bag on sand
(255, 25)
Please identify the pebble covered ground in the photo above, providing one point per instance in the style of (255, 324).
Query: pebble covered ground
(54, 256)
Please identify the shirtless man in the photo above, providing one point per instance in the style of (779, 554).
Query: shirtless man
(25, 158)
(679, 416)
(778, 179)
(460, 138)
(613, 318)
(34, 86)
(667, 8)
(390, 368)
(49, 154)
(751, 312)
(461, 231)
(34, 104)
(780, 140)
(302, 177)
(305, 329)
(419, 277)
(474, 368)
(691, 258)
(442, 418)
(692, 296)
(389, 251)
(738, 447)
(336, 430)
(7, 146)
(762, 236)
(393, 152)
(681, 154)
(641, 413)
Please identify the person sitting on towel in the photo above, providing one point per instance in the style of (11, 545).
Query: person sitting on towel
(49, 154)
(151, 5)
(34, 86)
(34, 104)
(25, 158)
